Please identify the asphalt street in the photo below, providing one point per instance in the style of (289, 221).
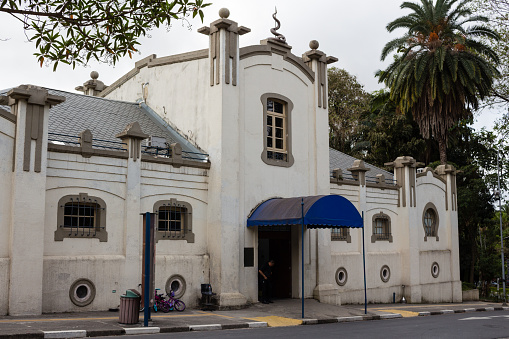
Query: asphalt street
(461, 326)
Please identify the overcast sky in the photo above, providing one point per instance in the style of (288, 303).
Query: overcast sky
(351, 30)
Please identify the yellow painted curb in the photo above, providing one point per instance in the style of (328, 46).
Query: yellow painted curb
(275, 321)
(404, 314)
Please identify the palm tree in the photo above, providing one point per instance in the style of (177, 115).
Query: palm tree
(441, 70)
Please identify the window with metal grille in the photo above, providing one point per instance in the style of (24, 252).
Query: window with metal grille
(81, 216)
(430, 221)
(174, 220)
(170, 219)
(340, 234)
(277, 134)
(381, 228)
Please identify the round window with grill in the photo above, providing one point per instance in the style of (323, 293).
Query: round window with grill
(385, 273)
(341, 276)
(177, 284)
(435, 270)
(82, 292)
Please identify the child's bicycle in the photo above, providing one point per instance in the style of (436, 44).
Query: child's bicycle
(160, 303)
(175, 303)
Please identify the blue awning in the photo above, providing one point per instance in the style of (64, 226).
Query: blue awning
(320, 211)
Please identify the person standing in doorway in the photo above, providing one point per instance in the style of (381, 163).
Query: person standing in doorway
(265, 273)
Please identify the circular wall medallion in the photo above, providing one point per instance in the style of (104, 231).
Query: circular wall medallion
(435, 270)
(177, 284)
(385, 273)
(82, 292)
(341, 276)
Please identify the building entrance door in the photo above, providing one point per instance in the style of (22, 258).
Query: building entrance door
(274, 242)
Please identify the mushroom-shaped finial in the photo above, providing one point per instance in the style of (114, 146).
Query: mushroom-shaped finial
(94, 75)
(224, 13)
(313, 44)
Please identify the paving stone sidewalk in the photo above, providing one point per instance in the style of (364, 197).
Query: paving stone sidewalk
(282, 313)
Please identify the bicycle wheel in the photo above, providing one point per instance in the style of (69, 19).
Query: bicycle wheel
(179, 305)
(164, 306)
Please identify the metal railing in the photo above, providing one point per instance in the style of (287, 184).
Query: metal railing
(73, 140)
(167, 153)
(107, 144)
(375, 180)
(63, 138)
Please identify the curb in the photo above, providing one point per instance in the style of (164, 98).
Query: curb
(465, 310)
(65, 334)
(215, 327)
(351, 319)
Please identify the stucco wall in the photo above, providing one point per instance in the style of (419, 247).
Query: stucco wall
(4, 285)
(60, 272)
(7, 131)
(258, 181)
(402, 259)
(71, 174)
(106, 263)
(377, 290)
(179, 93)
(193, 268)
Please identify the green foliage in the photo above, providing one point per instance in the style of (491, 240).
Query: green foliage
(474, 154)
(74, 32)
(442, 69)
(385, 134)
(347, 101)
(498, 13)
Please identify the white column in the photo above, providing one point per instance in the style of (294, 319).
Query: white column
(31, 106)
(133, 241)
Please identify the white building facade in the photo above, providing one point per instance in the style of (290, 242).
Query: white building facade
(242, 125)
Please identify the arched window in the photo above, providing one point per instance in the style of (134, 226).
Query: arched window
(173, 220)
(430, 221)
(81, 216)
(277, 141)
(381, 228)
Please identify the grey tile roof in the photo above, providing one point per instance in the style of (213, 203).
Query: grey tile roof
(106, 118)
(4, 107)
(343, 161)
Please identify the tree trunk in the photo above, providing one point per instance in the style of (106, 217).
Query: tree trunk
(442, 148)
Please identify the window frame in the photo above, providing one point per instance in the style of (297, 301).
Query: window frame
(387, 235)
(434, 227)
(186, 226)
(287, 131)
(335, 234)
(98, 231)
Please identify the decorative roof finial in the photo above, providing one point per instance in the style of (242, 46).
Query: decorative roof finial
(278, 36)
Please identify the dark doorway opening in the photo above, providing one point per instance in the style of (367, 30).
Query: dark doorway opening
(274, 242)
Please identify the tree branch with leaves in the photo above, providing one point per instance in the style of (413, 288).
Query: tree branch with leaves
(77, 31)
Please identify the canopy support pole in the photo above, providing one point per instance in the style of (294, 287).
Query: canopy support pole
(364, 266)
(302, 257)
(146, 292)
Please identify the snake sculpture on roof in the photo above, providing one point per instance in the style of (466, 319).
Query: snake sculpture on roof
(278, 36)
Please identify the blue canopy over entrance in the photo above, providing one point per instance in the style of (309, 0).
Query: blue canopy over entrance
(321, 211)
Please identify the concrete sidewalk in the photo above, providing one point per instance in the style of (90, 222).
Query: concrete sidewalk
(285, 312)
